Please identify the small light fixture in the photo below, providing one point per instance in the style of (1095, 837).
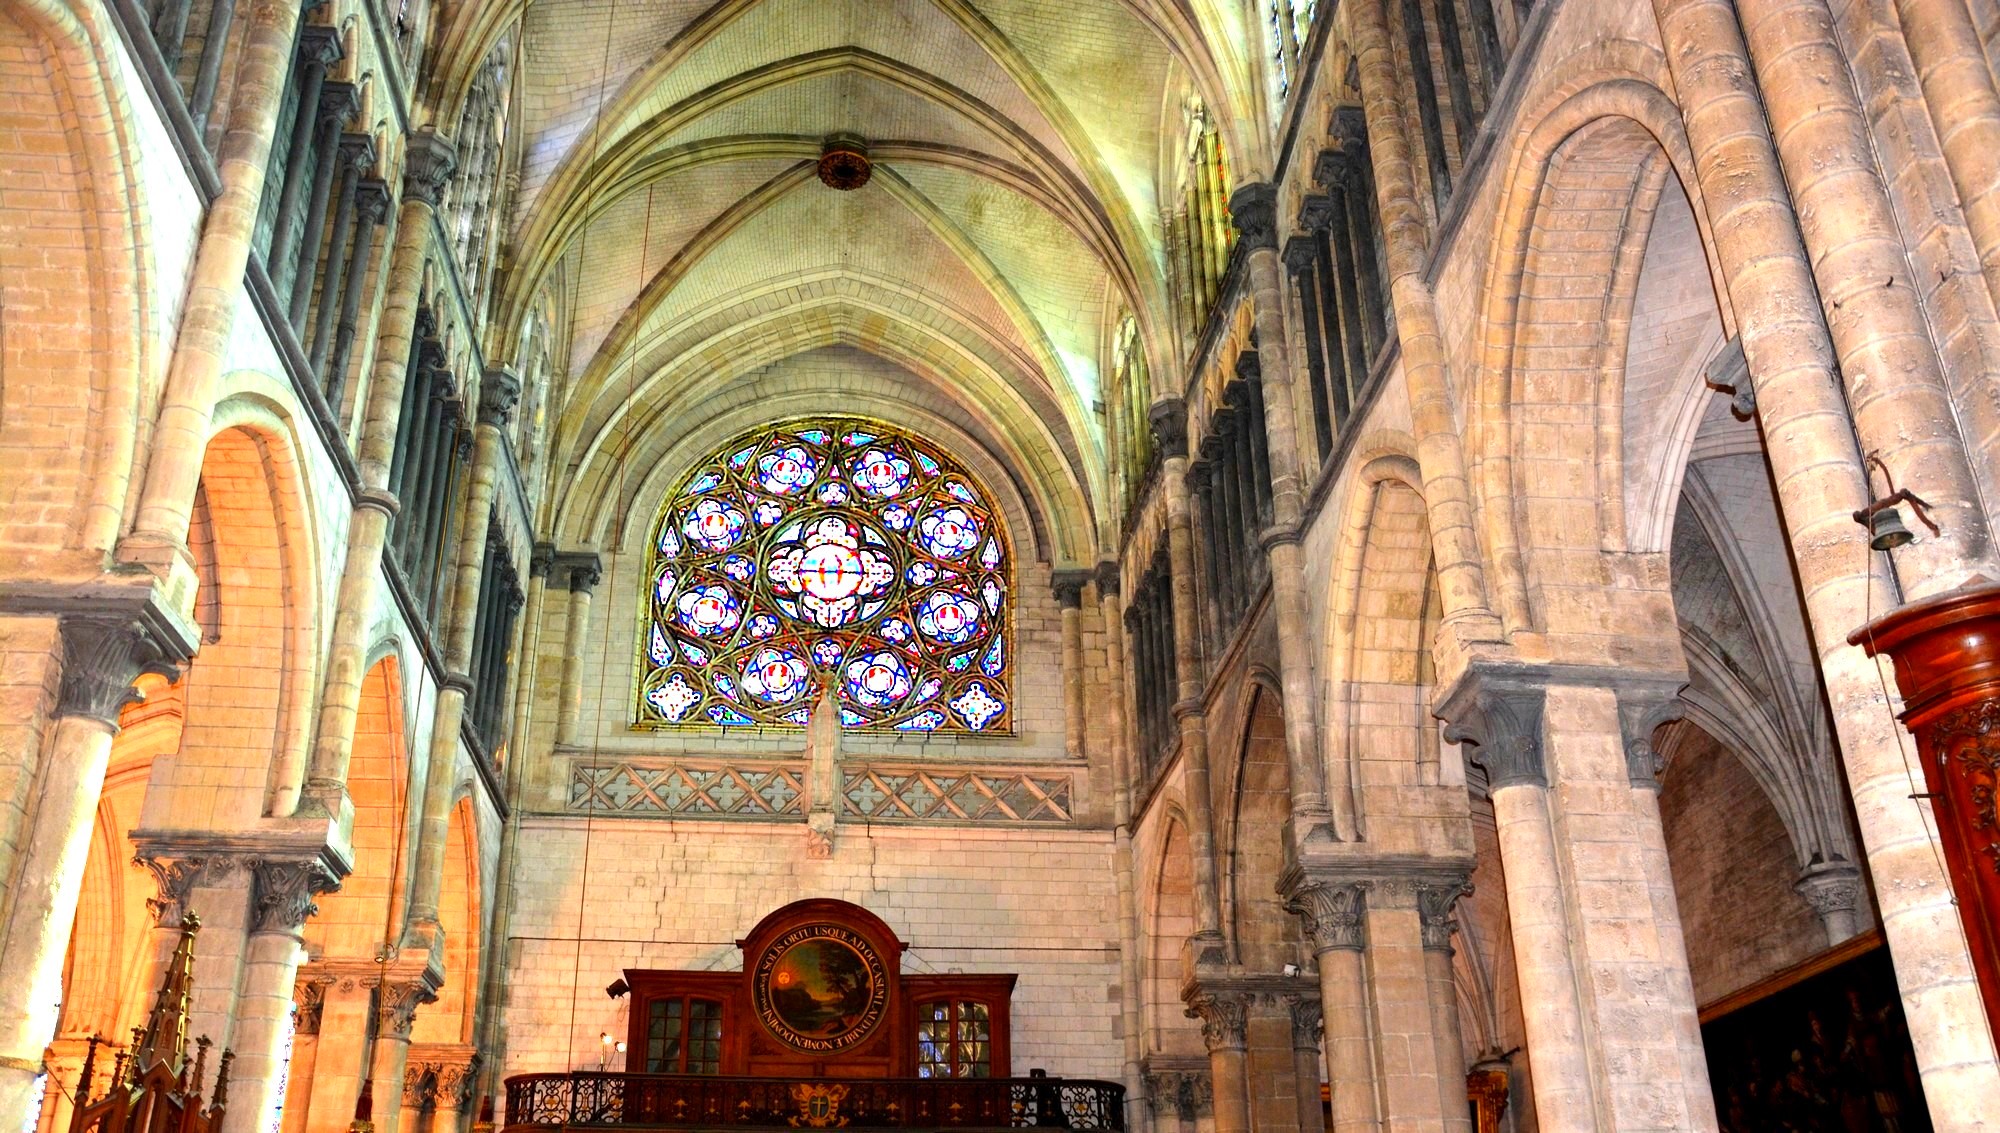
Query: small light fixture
(1884, 519)
(618, 988)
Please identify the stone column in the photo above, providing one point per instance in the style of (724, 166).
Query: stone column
(1306, 1027)
(1597, 939)
(1225, 1030)
(396, 1003)
(282, 894)
(1406, 243)
(308, 1007)
(1965, 111)
(208, 314)
(1123, 773)
(344, 1022)
(103, 653)
(457, 1087)
(319, 48)
(1068, 586)
(499, 395)
(338, 102)
(1833, 889)
(419, 1097)
(1254, 208)
(1434, 912)
(1817, 467)
(1332, 915)
(1899, 395)
(429, 162)
(1169, 421)
(355, 155)
(585, 570)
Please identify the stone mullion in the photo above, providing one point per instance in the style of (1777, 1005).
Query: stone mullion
(1341, 240)
(1228, 537)
(208, 70)
(414, 385)
(1424, 82)
(435, 419)
(1248, 521)
(1254, 427)
(333, 275)
(337, 103)
(1464, 116)
(1301, 259)
(410, 487)
(1145, 628)
(1207, 563)
(169, 28)
(434, 502)
(1356, 178)
(103, 653)
(208, 317)
(1486, 38)
(390, 396)
(1405, 238)
(372, 201)
(1820, 482)
(319, 49)
(1340, 383)
(1218, 188)
(1135, 631)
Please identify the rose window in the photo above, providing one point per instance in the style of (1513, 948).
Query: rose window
(829, 552)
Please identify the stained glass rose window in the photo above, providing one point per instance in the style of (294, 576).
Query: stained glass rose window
(838, 552)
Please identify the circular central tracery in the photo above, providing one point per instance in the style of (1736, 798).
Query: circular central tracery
(830, 552)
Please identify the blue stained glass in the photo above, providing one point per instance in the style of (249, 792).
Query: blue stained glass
(728, 717)
(921, 573)
(816, 436)
(989, 555)
(995, 660)
(658, 649)
(787, 470)
(962, 661)
(739, 568)
(991, 591)
(742, 457)
(963, 493)
(881, 472)
(929, 466)
(897, 517)
(670, 541)
(878, 681)
(929, 720)
(715, 524)
(709, 611)
(895, 629)
(827, 651)
(694, 653)
(833, 494)
(798, 716)
(927, 689)
(704, 482)
(769, 512)
(762, 626)
(851, 719)
(856, 439)
(663, 586)
(674, 698)
(948, 617)
(976, 706)
(948, 532)
(724, 685)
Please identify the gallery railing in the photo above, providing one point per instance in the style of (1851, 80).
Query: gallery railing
(695, 1100)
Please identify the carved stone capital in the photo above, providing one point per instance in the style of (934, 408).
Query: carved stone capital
(1068, 586)
(1107, 578)
(396, 1004)
(420, 1083)
(1503, 720)
(583, 570)
(1642, 708)
(1308, 1021)
(339, 102)
(309, 1002)
(1185, 1094)
(1168, 418)
(498, 395)
(1831, 888)
(1249, 370)
(1300, 254)
(541, 557)
(1254, 209)
(319, 45)
(1332, 914)
(283, 890)
(104, 654)
(1316, 211)
(1225, 1022)
(456, 1083)
(176, 877)
(427, 167)
(1330, 168)
(371, 202)
(1435, 904)
(1349, 127)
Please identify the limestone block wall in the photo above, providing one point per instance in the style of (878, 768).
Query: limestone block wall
(654, 894)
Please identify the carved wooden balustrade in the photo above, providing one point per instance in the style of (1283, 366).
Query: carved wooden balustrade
(594, 1100)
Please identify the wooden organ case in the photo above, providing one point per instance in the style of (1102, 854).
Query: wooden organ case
(822, 994)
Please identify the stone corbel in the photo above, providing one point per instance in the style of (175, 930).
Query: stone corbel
(499, 394)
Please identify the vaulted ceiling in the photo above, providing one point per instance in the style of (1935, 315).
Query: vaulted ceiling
(668, 213)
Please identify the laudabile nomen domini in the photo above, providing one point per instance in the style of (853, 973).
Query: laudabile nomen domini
(1186, 566)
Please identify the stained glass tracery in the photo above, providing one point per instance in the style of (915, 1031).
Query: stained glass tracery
(832, 551)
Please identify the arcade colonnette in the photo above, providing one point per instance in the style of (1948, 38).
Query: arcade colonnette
(1177, 565)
